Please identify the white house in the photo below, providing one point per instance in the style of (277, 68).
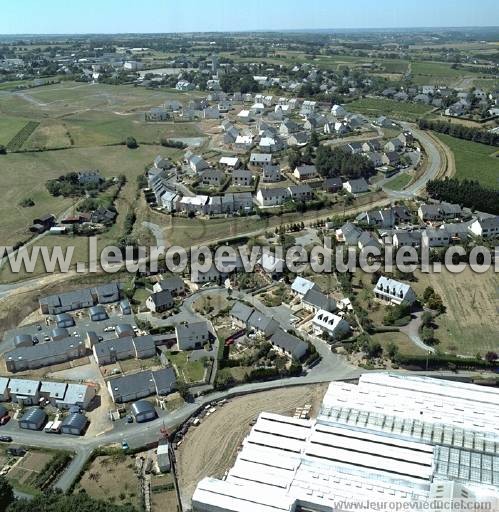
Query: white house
(329, 324)
(394, 292)
(487, 227)
(301, 286)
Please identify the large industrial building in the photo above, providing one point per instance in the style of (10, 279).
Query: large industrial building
(389, 438)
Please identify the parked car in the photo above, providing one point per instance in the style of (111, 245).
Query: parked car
(5, 420)
(35, 340)
(129, 419)
(124, 445)
(5, 439)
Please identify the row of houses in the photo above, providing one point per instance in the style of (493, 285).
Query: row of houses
(279, 195)
(142, 384)
(79, 299)
(62, 395)
(244, 316)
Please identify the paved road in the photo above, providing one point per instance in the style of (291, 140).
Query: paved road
(433, 165)
(412, 331)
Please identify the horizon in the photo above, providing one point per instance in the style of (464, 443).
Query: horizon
(166, 17)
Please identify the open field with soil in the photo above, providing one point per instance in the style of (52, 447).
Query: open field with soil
(210, 449)
(112, 478)
(470, 324)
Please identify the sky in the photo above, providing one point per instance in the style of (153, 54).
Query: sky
(161, 16)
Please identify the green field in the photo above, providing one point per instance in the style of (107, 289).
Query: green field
(473, 160)
(390, 108)
(424, 72)
(399, 182)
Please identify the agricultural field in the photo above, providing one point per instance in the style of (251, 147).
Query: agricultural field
(473, 160)
(9, 126)
(425, 72)
(470, 323)
(390, 108)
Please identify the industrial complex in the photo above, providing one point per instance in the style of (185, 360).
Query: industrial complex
(389, 439)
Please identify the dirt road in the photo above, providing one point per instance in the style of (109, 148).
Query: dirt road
(211, 448)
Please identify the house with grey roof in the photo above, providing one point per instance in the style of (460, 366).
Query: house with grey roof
(192, 335)
(174, 284)
(79, 395)
(394, 292)
(402, 238)
(97, 313)
(240, 314)
(161, 301)
(485, 226)
(314, 300)
(368, 239)
(24, 391)
(301, 192)
(119, 349)
(4, 389)
(242, 178)
(348, 233)
(271, 173)
(53, 391)
(305, 172)
(300, 286)
(64, 320)
(44, 354)
(262, 324)
(142, 411)
(356, 186)
(23, 340)
(291, 345)
(435, 238)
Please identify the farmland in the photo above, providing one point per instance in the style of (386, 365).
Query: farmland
(470, 323)
(387, 107)
(473, 160)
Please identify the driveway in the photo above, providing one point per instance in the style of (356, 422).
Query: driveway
(412, 331)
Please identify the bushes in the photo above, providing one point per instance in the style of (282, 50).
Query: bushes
(438, 362)
(51, 471)
(131, 143)
(169, 143)
(398, 315)
(26, 202)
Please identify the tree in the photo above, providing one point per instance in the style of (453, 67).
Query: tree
(6, 494)
(314, 139)
(428, 335)
(427, 318)
(183, 389)
(131, 143)
(374, 349)
(428, 292)
(3, 150)
(392, 350)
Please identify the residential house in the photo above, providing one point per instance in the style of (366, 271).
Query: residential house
(393, 145)
(332, 184)
(314, 300)
(24, 391)
(240, 314)
(368, 239)
(356, 186)
(305, 172)
(301, 286)
(348, 233)
(485, 226)
(262, 324)
(192, 335)
(391, 158)
(174, 284)
(394, 292)
(243, 142)
(291, 345)
(230, 162)
(406, 238)
(272, 196)
(242, 178)
(271, 173)
(197, 163)
(301, 192)
(375, 158)
(435, 238)
(212, 178)
(139, 385)
(330, 325)
(161, 301)
(260, 159)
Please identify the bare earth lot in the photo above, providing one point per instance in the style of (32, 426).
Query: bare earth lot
(210, 449)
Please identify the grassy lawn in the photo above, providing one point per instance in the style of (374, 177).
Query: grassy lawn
(403, 343)
(470, 323)
(387, 107)
(399, 182)
(473, 160)
(191, 371)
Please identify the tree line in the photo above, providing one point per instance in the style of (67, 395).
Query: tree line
(340, 162)
(466, 193)
(460, 131)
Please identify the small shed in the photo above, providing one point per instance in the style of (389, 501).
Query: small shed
(97, 313)
(64, 320)
(163, 455)
(143, 410)
(33, 419)
(124, 330)
(74, 424)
